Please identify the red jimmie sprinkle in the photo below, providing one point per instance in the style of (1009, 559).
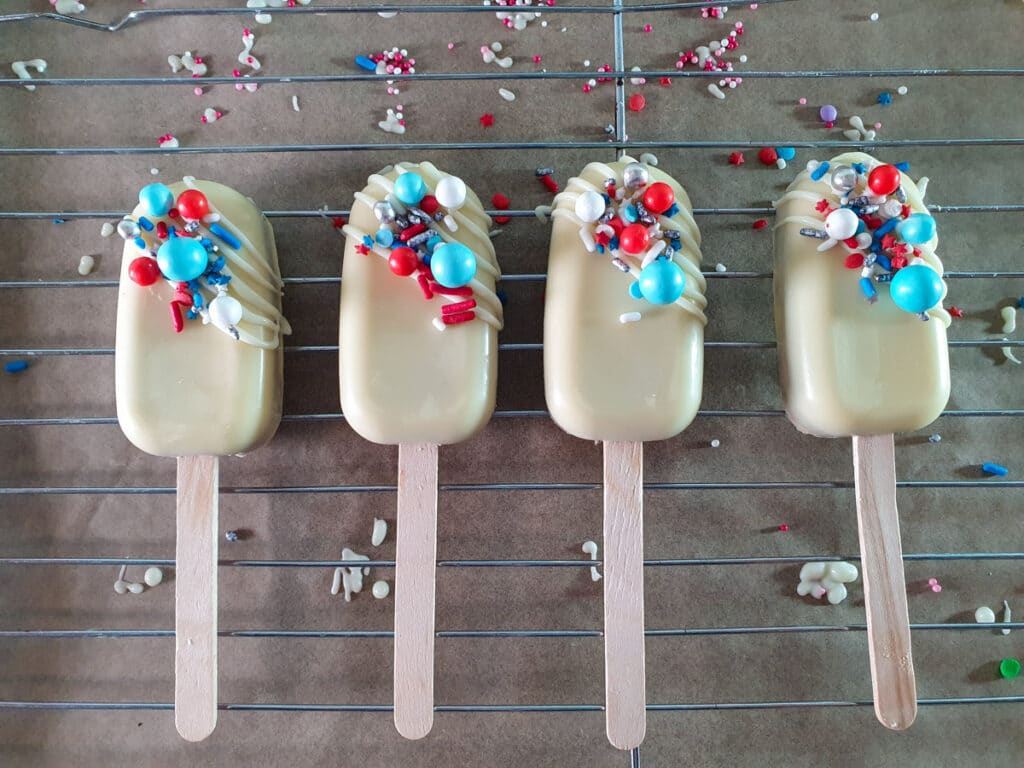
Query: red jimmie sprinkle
(760, 224)
(956, 312)
(855, 261)
(461, 317)
(548, 182)
(440, 289)
(179, 324)
(424, 286)
(459, 306)
(410, 232)
(851, 242)
(161, 230)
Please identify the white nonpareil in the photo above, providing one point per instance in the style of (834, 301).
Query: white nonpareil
(348, 578)
(826, 579)
(380, 531)
(590, 548)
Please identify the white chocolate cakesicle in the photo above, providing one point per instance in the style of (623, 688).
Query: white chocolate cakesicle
(201, 392)
(607, 375)
(850, 367)
(406, 376)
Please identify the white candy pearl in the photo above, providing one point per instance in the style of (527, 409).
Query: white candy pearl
(153, 576)
(225, 311)
(381, 589)
(590, 206)
(841, 224)
(451, 192)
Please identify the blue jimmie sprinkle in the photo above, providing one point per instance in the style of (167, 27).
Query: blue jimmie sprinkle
(820, 171)
(902, 167)
(994, 469)
(191, 314)
(145, 223)
(886, 228)
(883, 261)
(613, 244)
(197, 299)
(869, 289)
(672, 211)
(1020, 302)
(859, 168)
(366, 63)
(368, 241)
(226, 236)
(59, 221)
(140, 243)
(218, 264)
(16, 366)
(885, 99)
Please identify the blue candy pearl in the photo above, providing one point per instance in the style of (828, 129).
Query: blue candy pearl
(181, 259)
(916, 288)
(917, 228)
(786, 153)
(410, 188)
(156, 199)
(661, 282)
(453, 265)
(385, 237)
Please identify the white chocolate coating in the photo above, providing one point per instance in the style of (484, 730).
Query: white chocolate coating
(605, 379)
(849, 367)
(402, 380)
(200, 392)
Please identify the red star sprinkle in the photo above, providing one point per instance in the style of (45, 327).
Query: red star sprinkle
(900, 250)
(821, 206)
(666, 81)
(338, 222)
(736, 158)
(487, 120)
(898, 261)
(362, 249)
(956, 312)
(888, 242)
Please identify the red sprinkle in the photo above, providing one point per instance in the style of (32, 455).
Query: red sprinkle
(173, 213)
(465, 290)
(898, 262)
(666, 81)
(851, 242)
(487, 120)
(459, 306)
(956, 312)
(161, 230)
(179, 324)
(461, 317)
(637, 102)
(424, 286)
(500, 201)
(410, 232)
(736, 158)
(760, 224)
(338, 222)
(768, 156)
(429, 205)
(548, 182)
(855, 261)
(905, 212)
(783, 527)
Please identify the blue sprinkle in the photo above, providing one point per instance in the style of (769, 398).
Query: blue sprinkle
(634, 290)
(994, 469)
(226, 236)
(366, 63)
(172, 231)
(613, 244)
(145, 223)
(502, 297)
(206, 242)
(902, 167)
(859, 168)
(876, 246)
(16, 366)
(140, 243)
(629, 213)
(886, 228)
(885, 99)
(218, 264)
(385, 237)
(786, 153)
(607, 198)
(59, 221)
(672, 211)
(433, 242)
(599, 248)
(820, 171)
(426, 259)
(197, 299)
(368, 241)
(1020, 302)
(868, 288)
(191, 315)
(883, 261)
(231, 535)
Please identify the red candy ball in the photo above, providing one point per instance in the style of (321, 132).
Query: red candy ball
(429, 205)
(659, 197)
(884, 179)
(403, 261)
(193, 205)
(634, 239)
(768, 156)
(637, 102)
(144, 271)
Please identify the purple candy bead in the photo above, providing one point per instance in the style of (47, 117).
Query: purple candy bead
(828, 114)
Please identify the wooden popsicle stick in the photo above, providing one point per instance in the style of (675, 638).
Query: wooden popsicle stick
(624, 677)
(885, 590)
(195, 598)
(415, 562)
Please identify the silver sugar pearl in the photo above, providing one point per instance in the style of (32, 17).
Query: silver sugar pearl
(635, 175)
(843, 179)
(384, 212)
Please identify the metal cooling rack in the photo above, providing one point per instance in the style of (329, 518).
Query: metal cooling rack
(615, 11)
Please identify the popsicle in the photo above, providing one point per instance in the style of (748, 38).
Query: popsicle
(198, 368)
(862, 353)
(418, 363)
(623, 363)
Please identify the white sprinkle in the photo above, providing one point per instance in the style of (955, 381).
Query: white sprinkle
(21, 70)
(153, 576)
(565, 29)
(107, 229)
(984, 615)
(169, 142)
(1006, 616)
(721, 267)
(86, 263)
(936, 438)
(637, 80)
(1008, 353)
(211, 115)
(590, 548)
(1009, 319)
(68, 7)
(743, 58)
(295, 102)
(544, 24)
(496, 47)
(381, 589)
(649, 159)
(629, 317)
(439, 324)
(264, 18)
(351, 579)
(154, 171)
(380, 531)
(873, 17)
(586, 62)
(922, 186)
(715, 443)
(387, 14)
(902, 90)
(506, 94)
(715, 91)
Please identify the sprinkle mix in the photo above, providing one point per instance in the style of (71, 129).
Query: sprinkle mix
(868, 214)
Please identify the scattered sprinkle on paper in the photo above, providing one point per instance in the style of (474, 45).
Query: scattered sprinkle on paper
(295, 102)
(506, 94)
(21, 70)
(86, 264)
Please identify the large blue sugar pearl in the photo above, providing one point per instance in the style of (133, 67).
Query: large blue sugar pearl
(660, 282)
(916, 288)
(156, 199)
(916, 229)
(181, 259)
(410, 188)
(453, 265)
